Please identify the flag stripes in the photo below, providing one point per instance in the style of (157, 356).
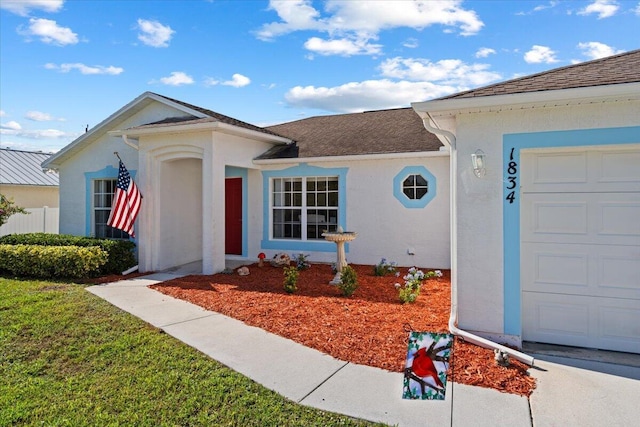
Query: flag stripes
(126, 203)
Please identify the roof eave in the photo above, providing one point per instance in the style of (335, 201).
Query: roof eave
(526, 100)
(207, 126)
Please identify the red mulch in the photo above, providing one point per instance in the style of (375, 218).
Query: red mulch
(368, 328)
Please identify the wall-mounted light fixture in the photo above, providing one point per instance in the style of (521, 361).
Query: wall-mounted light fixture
(477, 160)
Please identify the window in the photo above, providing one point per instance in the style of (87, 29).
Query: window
(415, 186)
(304, 207)
(103, 191)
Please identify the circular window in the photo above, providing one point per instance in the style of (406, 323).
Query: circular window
(415, 187)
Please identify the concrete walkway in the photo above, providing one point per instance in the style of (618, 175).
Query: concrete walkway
(566, 395)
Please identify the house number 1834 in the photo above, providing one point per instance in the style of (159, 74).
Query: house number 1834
(512, 176)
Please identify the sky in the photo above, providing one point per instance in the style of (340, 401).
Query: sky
(66, 65)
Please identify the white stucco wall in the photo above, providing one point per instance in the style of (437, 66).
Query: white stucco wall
(386, 228)
(480, 264)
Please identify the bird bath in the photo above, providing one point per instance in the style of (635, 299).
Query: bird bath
(339, 238)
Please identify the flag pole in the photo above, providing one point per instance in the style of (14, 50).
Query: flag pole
(117, 155)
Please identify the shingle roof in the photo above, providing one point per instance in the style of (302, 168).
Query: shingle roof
(23, 168)
(372, 132)
(212, 116)
(616, 69)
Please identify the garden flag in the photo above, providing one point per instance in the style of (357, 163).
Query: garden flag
(126, 203)
(425, 373)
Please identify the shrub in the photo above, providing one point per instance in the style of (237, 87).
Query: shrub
(301, 261)
(383, 268)
(348, 281)
(290, 279)
(51, 261)
(120, 252)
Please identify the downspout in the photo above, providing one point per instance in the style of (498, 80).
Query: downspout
(453, 317)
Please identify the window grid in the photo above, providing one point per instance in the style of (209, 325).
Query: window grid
(103, 192)
(303, 208)
(415, 187)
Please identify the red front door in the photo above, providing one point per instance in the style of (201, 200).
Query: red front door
(233, 216)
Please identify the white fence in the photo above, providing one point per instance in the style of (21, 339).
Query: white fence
(44, 220)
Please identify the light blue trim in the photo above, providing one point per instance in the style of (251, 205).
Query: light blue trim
(109, 172)
(511, 211)
(235, 172)
(402, 198)
(303, 170)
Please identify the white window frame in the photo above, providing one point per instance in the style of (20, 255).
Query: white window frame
(111, 233)
(304, 208)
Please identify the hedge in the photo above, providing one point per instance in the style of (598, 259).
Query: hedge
(51, 261)
(120, 256)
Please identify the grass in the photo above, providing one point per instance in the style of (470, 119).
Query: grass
(68, 358)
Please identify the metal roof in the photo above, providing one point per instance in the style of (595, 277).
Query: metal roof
(24, 168)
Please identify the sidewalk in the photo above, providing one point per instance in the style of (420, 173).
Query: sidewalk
(566, 396)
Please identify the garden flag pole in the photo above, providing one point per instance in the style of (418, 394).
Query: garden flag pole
(126, 202)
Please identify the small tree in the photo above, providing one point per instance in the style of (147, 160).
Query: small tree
(8, 208)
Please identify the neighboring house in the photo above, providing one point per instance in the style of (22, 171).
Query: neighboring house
(543, 239)
(216, 188)
(547, 239)
(23, 180)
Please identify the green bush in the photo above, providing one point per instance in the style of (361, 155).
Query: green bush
(120, 252)
(51, 261)
(290, 279)
(348, 281)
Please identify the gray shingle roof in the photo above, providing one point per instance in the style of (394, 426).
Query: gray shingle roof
(372, 132)
(616, 69)
(23, 168)
(212, 116)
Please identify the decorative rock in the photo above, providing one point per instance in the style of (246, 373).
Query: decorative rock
(243, 271)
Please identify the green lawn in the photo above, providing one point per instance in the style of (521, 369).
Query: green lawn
(68, 358)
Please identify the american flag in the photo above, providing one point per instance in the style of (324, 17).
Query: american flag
(126, 203)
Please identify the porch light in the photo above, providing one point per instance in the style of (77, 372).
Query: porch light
(477, 161)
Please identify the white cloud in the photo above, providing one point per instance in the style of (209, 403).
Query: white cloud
(2, 113)
(359, 22)
(411, 43)
(342, 47)
(405, 80)
(596, 50)
(483, 52)
(539, 54)
(177, 78)
(38, 116)
(637, 10)
(49, 32)
(23, 7)
(603, 8)
(450, 72)
(153, 33)
(359, 96)
(85, 69)
(237, 80)
(12, 125)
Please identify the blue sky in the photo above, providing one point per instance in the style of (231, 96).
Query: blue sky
(68, 64)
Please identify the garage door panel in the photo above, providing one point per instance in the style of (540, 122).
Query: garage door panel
(586, 218)
(592, 270)
(579, 170)
(583, 321)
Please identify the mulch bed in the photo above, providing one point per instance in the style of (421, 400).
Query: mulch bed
(369, 328)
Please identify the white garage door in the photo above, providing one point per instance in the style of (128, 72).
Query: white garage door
(580, 247)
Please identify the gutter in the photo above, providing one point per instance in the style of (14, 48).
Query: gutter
(453, 317)
(350, 158)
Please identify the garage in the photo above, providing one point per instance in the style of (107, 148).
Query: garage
(580, 246)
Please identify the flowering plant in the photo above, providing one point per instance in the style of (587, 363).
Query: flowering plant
(383, 268)
(301, 261)
(413, 282)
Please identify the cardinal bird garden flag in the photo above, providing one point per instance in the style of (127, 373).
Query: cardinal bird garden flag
(425, 373)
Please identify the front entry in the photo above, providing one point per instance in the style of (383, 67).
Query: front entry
(233, 216)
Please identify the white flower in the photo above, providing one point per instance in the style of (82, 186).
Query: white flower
(397, 285)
